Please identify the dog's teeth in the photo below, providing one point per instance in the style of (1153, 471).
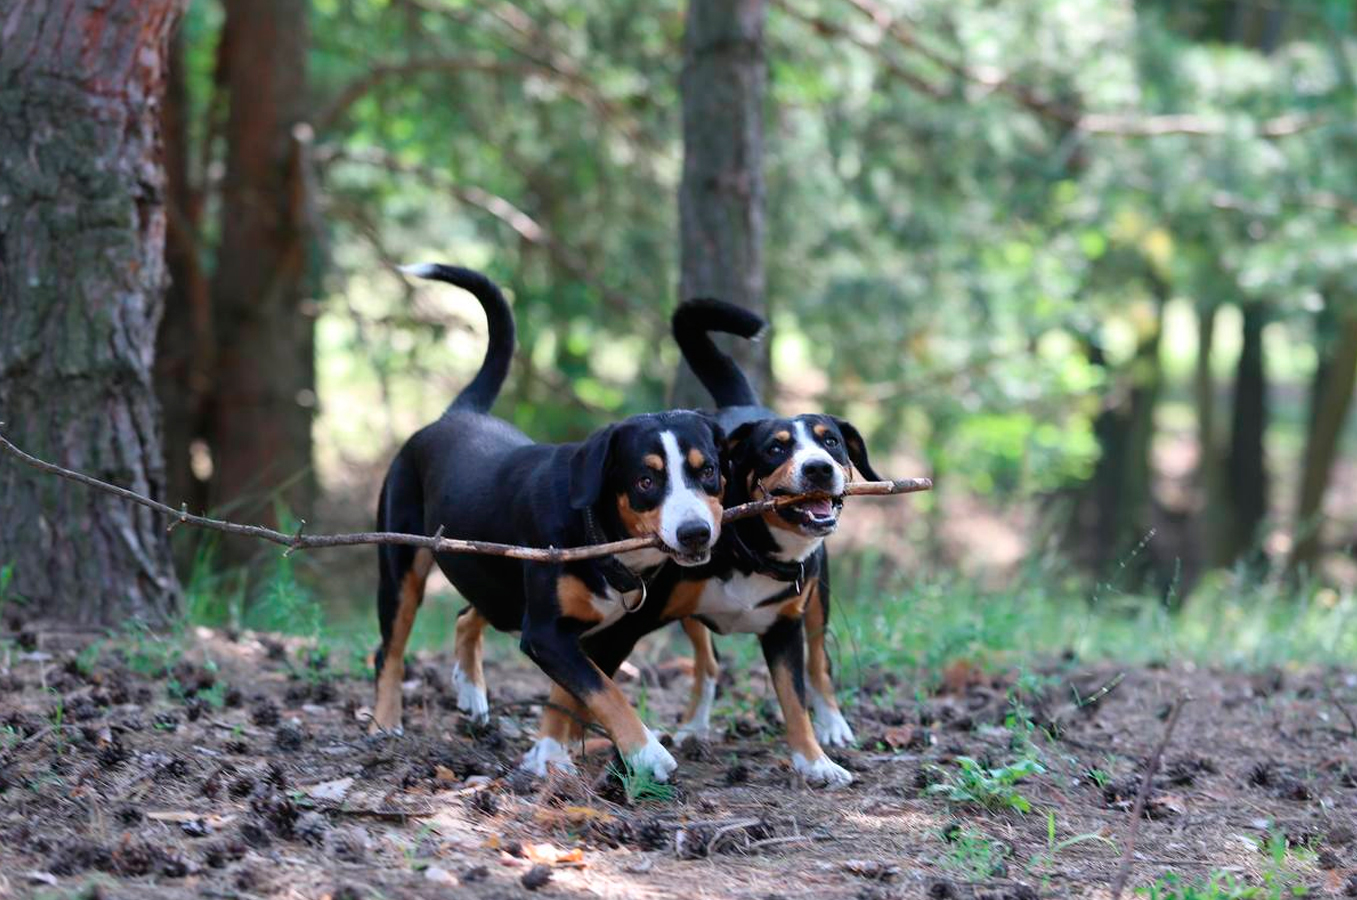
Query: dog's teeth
(419, 270)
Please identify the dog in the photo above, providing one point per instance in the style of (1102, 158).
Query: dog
(789, 548)
(476, 477)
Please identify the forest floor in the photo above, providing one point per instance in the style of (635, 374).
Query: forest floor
(237, 766)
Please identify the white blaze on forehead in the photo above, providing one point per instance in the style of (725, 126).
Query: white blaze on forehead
(808, 449)
(682, 504)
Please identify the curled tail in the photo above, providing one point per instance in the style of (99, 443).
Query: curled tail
(720, 375)
(480, 394)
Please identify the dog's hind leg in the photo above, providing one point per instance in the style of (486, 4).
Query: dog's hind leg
(831, 728)
(706, 672)
(468, 675)
(401, 575)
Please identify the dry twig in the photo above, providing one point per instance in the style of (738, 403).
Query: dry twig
(436, 542)
(1124, 868)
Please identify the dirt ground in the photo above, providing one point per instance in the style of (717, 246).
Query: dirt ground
(258, 780)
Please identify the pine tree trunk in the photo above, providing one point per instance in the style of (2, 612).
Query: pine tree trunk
(1330, 401)
(82, 233)
(184, 346)
(263, 401)
(1246, 466)
(721, 195)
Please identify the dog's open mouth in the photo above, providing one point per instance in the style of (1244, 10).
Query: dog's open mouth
(686, 559)
(819, 515)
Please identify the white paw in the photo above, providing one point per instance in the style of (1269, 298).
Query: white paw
(702, 731)
(654, 758)
(699, 726)
(546, 754)
(471, 697)
(823, 772)
(831, 729)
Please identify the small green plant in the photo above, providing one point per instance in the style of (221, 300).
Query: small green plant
(148, 653)
(9, 737)
(1217, 886)
(57, 719)
(991, 788)
(640, 785)
(1055, 846)
(972, 854)
(1098, 776)
(88, 658)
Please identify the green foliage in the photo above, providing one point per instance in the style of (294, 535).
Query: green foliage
(88, 658)
(992, 788)
(639, 784)
(1055, 846)
(147, 652)
(1278, 880)
(972, 854)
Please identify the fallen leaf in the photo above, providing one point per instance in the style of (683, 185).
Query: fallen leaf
(900, 737)
(874, 869)
(330, 791)
(551, 855)
(571, 815)
(961, 675)
(445, 775)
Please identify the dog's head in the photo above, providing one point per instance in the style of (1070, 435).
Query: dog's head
(664, 474)
(809, 453)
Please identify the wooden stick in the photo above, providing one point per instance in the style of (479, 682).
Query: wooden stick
(1124, 869)
(437, 542)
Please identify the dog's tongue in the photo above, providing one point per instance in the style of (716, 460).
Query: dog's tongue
(820, 509)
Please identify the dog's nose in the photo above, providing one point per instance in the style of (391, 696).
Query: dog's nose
(694, 535)
(819, 472)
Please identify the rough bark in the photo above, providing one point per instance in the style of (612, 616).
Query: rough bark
(261, 409)
(721, 195)
(1246, 466)
(82, 231)
(1330, 401)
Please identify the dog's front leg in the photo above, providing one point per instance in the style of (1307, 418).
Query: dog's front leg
(784, 649)
(551, 638)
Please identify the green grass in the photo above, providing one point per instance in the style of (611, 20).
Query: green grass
(972, 854)
(916, 624)
(1279, 879)
(640, 785)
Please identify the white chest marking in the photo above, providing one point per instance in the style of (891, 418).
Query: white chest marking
(611, 607)
(733, 606)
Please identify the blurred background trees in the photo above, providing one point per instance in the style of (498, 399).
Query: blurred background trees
(1086, 262)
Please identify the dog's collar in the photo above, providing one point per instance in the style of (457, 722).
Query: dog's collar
(779, 570)
(618, 576)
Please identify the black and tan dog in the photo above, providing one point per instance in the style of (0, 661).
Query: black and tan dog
(774, 455)
(478, 478)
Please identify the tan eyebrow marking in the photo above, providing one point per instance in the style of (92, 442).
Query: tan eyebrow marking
(696, 459)
(654, 461)
(820, 429)
(783, 436)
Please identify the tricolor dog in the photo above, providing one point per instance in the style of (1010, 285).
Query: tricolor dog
(478, 478)
(782, 553)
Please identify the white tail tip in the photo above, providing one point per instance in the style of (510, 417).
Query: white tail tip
(419, 270)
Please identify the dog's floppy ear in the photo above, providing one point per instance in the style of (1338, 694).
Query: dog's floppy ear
(737, 444)
(589, 466)
(718, 436)
(857, 448)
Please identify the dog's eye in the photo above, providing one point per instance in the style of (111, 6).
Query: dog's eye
(707, 471)
(645, 483)
(831, 441)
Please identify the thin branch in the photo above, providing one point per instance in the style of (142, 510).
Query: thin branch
(1111, 124)
(436, 542)
(1332, 697)
(1124, 868)
(523, 224)
(332, 112)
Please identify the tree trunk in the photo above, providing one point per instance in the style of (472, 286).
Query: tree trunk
(721, 195)
(82, 234)
(1214, 522)
(264, 396)
(1246, 466)
(1330, 401)
(184, 347)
